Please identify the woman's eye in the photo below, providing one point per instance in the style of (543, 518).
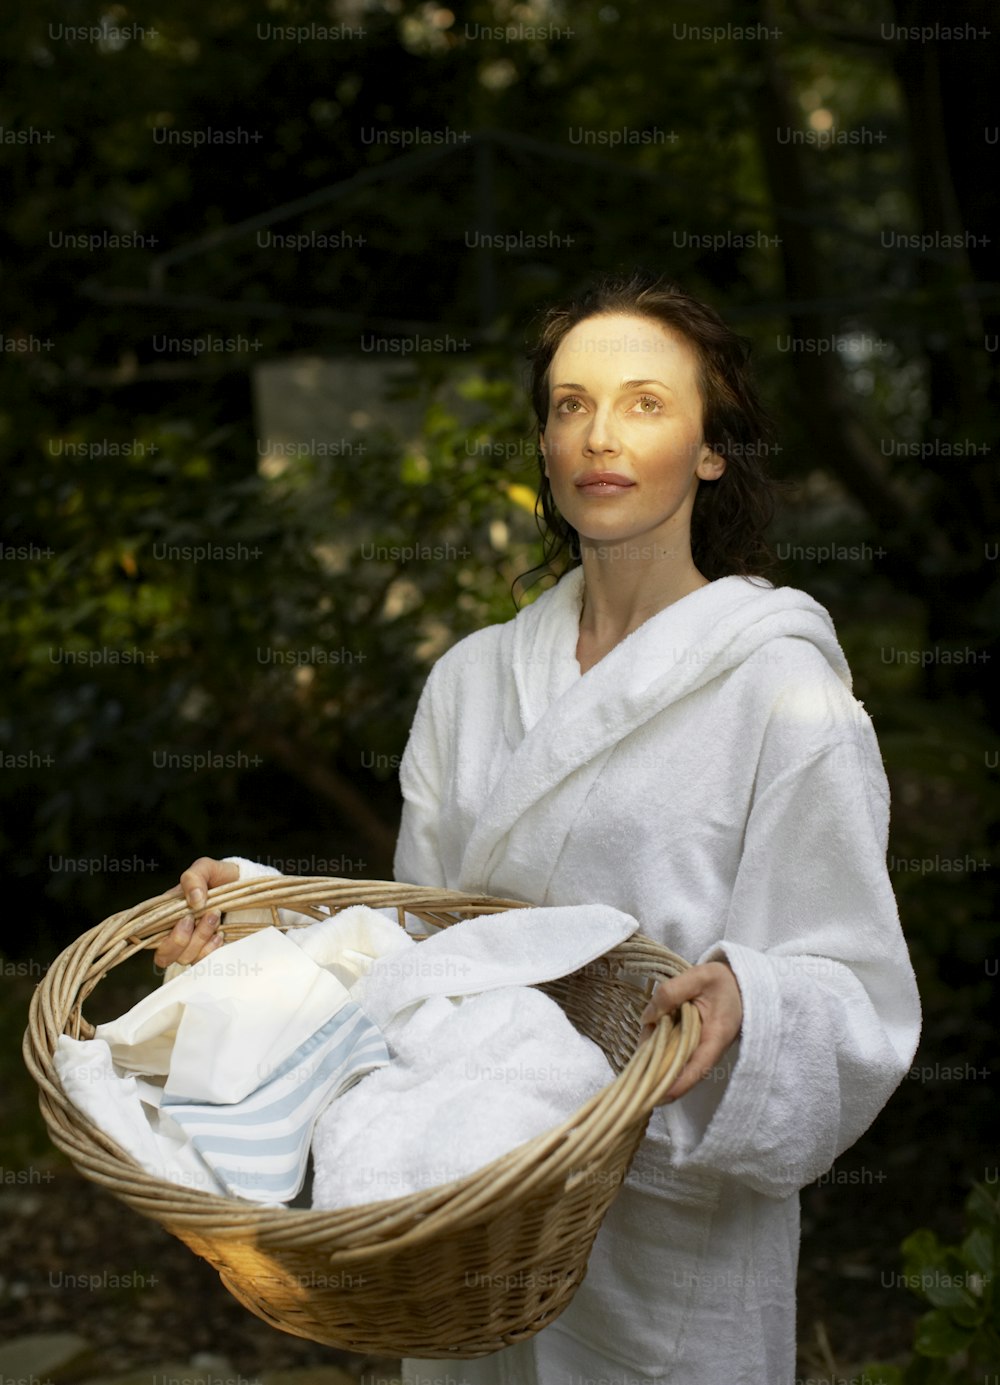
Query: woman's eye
(648, 404)
(563, 405)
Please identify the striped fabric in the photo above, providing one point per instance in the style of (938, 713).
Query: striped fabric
(258, 1147)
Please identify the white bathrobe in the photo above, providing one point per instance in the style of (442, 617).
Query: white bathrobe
(714, 777)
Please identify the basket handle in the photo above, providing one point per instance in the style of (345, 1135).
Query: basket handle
(670, 1046)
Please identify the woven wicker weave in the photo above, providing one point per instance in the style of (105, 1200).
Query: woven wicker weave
(461, 1269)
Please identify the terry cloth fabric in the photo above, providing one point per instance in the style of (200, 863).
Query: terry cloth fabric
(519, 947)
(713, 777)
(470, 1080)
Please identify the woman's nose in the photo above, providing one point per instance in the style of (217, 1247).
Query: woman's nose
(602, 436)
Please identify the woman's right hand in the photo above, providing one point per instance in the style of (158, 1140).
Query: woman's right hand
(190, 940)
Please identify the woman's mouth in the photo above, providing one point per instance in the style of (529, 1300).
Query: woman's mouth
(604, 483)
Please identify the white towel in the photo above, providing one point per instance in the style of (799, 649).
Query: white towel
(519, 947)
(471, 1080)
(348, 944)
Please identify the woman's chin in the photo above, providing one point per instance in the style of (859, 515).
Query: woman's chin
(615, 543)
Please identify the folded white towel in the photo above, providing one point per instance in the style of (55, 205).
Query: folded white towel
(519, 947)
(471, 1080)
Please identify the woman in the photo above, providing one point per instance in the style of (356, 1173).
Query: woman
(665, 732)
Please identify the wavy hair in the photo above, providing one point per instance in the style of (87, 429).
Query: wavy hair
(730, 514)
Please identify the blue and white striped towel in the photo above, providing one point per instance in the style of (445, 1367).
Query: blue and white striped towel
(258, 1147)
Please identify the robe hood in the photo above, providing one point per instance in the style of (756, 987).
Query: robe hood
(675, 652)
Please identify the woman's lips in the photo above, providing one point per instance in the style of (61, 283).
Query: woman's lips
(605, 485)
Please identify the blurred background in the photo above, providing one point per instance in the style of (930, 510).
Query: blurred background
(268, 275)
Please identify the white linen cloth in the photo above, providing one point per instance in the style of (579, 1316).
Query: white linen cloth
(713, 777)
(212, 1029)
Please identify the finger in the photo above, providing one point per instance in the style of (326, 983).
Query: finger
(181, 949)
(668, 996)
(174, 943)
(702, 1063)
(694, 1071)
(650, 1020)
(706, 985)
(194, 883)
(204, 875)
(199, 878)
(201, 935)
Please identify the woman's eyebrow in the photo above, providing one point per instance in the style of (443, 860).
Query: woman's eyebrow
(625, 385)
(632, 384)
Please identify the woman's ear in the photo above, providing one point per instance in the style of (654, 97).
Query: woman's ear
(711, 464)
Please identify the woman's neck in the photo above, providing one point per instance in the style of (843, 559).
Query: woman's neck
(622, 591)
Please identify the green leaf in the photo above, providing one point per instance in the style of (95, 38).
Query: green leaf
(982, 1205)
(946, 1285)
(970, 1315)
(979, 1250)
(937, 1335)
(923, 1255)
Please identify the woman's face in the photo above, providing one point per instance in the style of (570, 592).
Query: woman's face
(624, 401)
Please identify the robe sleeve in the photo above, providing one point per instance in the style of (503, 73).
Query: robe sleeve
(831, 1013)
(417, 859)
(251, 870)
(255, 870)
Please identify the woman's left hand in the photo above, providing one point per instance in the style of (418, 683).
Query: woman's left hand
(713, 989)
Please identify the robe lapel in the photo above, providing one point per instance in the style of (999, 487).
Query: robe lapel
(571, 723)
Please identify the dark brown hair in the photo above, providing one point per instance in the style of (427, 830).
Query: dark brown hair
(730, 514)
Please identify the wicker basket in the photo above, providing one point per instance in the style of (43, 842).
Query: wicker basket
(461, 1269)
